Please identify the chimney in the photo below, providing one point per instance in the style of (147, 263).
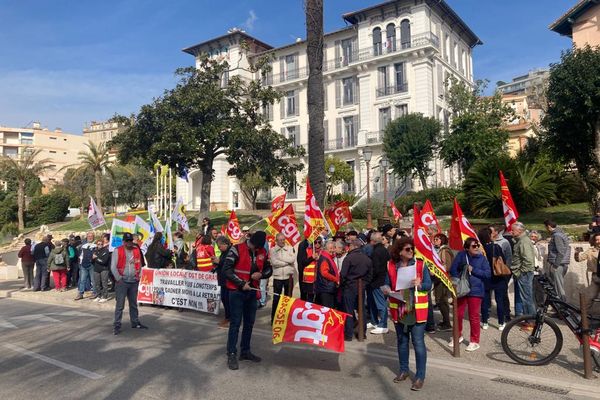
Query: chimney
(37, 125)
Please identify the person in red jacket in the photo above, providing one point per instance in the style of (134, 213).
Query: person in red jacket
(27, 263)
(328, 277)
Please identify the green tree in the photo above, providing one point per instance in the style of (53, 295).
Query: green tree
(48, 208)
(134, 183)
(202, 119)
(79, 185)
(251, 185)
(572, 121)
(477, 129)
(22, 168)
(95, 161)
(410, 143)
(342, 173)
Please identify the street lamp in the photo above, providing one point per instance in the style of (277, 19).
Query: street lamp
(384, 165)
(331, 172)
(367, 153)
(115, 194)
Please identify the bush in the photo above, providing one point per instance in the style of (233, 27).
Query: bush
(9, 230)
(437, 196)
(360, 209)
(349, 197)
(8, 209)
(47, 209)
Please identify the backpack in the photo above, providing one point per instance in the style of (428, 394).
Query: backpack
(59, 259)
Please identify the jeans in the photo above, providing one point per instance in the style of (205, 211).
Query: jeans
(101, 283)
(225, 301)
(73, 274)
(349, 304)
(243, 305)
(474, 305)
(126, 290)
(284, 286)
(42, 276)
(27, 273)
(264, 283)
(60, 279)
(557, 276)
(85, 277)
(415, 332)
(500, 289)
(525, 284)
(377, 307)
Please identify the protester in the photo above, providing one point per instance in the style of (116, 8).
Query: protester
(58, 264)
(224, 245)
(441, 291)
(206, 226)
(559, 256)
(328, 278)
(430, 326)
(86, 267)
(157, 256)
(497, 284)
(479, 270)
(340, 254)
(283, 262)
(214, 234)
(539, 251)
(357, 266)
(126, 265)
(306, 259)
(523, 265)
(41, 252)
(27, 263)
(181, 251)
(73, 273)
(375, 298)
(246, 263)
(410, 314)
(507, 251)
(389, 231)
(204, 254)
(591, 256)
(102, 258)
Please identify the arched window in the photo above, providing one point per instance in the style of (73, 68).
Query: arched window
(390, 33)
(405, 33)
(377, 41)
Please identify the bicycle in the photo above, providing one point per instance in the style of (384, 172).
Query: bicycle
(537, 339)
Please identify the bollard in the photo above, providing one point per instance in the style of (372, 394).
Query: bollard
(361, 306)
(585, 338)
(455, 334)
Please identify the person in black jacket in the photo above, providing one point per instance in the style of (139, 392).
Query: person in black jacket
(224, 245)
(375, 299)
(356, 266)
(157, 256)
(41, 252)
(307, 291)
(101, 258)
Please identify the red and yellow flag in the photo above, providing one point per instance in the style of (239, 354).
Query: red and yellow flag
(396, 212)
(298, 321)
(338, 215)
(234, 233)
(428, 216)
(278, 203)
(460, 229)
(284, 222)
(508, 205)
(425, 251)
(314, 223)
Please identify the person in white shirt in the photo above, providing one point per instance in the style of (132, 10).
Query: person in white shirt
(340, 254)
(283, 262)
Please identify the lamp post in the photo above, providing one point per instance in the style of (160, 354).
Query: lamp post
(115, 194)
(367, 153)
(384, 165)
(331, 172)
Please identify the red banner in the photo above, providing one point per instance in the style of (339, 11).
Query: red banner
(338, 215)
(428, 216)
(278, 203)
(314, 223)
(508, 205)
(234, 233)
(298, 321)
(397, 213)
(460, 229)
(285, 222)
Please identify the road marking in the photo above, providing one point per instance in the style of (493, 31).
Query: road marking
(5, 324)
(52, 361)
(40, 318)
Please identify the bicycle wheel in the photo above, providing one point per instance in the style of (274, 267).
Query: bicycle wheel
(530, 344)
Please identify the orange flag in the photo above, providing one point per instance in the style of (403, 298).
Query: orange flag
(285, 222)
(425, 251)
(508, 205)
(460, 229)
(428, 216)
(278, 203)
(338, 215)
(314, 222)
(396, 212)
(234, 233)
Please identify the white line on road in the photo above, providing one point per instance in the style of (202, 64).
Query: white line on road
(60, 364)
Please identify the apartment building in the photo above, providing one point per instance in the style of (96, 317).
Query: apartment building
(59, 147)
(389, 60)
(102, 131)
(580, 23)
(532, 81)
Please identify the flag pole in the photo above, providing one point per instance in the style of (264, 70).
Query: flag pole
(170, 191)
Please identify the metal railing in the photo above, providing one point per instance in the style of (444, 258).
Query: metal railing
(287, 76)
(374, 137)
(390, 90)
(341, 143)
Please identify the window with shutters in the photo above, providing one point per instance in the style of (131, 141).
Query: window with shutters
(385, 116)
(447, 47)
(405, 33)
(348, 51)
(400, 75)
(348, 91)
(267, 76)
(350, 138)
(325, 97)
(383, 84)
(293, 133)
(225, 79)
(292, 190)
(350, 187)
(291, 103)
(440, 81)
(390, 38)
(291, 65)
(401, 110)
(267, 111)
(453, 54)
(377, 42)
(461, 62)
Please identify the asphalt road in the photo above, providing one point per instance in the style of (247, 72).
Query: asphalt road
(53, 352)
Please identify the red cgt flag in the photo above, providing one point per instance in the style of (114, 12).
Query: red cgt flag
(298, 321)
(314, 223)
(428, 216)
(278, 203)
(460, 229)
(234, 233)
(285, 222)
(396, 212)
(338, 215)
(508, 205)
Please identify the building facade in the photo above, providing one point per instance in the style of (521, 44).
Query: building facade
(580, 23)
(391, 59)
(101, 132)
(60, 148)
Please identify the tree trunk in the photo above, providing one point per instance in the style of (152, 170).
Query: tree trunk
(314, 50)
(423, 180)
(21, 203)
(98, 186)
(207, 178)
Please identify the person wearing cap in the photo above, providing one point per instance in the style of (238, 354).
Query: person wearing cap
(126, 266)
(246, 232)
(245, 265)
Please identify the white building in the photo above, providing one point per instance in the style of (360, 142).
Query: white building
(390, 59)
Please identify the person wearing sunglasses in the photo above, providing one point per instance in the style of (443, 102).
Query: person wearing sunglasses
(479, 271)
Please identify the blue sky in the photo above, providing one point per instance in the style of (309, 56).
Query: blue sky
(65, 62)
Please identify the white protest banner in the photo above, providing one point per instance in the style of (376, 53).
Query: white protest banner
(95, 217)
(116, 233)
(195, 290)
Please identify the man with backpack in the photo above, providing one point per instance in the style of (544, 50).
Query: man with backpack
(41, 252)
(86, 265)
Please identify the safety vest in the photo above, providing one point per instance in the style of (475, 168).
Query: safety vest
(308, 275)
(243, 266)
(421, 299)
(204, 257)
(323, 285)
(122, 260)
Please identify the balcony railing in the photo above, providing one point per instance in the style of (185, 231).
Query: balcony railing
(286, 76)
(341, 143)
(374, 137)
(390, 90)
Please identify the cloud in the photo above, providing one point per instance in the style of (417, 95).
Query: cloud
(249, 24)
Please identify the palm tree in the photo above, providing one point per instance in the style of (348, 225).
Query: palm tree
(96, 160)
(22, 167)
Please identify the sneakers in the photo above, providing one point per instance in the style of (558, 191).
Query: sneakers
(371, 326)
(79, 297)
(501, 327)
(472, 346)
(103, 300)
(451, 342)
(431, 329)
(444, 327)
(97, 299)
(379, 331)
(485, 326)
(232, 361)
(139, 326)
(116, 330)
(249, 357)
